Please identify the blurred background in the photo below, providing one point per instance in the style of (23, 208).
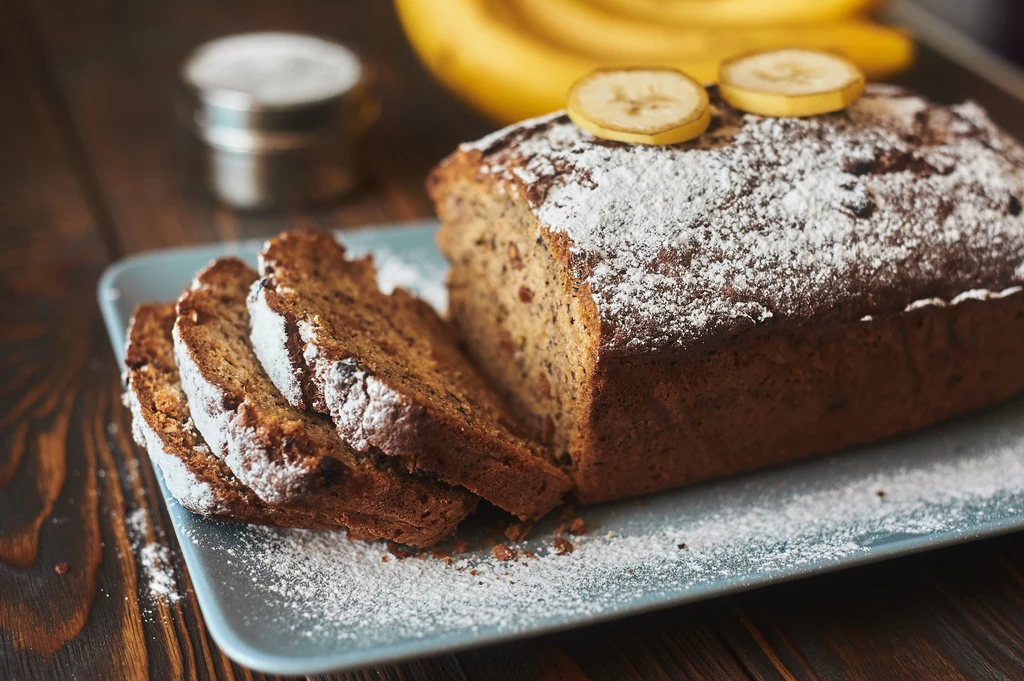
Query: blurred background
(431, 73)
(509, 60)
(996, 23)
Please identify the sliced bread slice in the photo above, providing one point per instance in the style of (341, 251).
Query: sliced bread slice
(390, 373)
(285, 455)
(203, 484)
(162, 424)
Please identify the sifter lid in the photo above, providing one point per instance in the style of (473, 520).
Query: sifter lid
(272, 70)
(276, 90)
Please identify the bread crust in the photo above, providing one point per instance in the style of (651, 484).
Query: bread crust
(411, 394)
(658, 423)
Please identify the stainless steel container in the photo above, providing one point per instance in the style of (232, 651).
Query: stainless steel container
(279, 116)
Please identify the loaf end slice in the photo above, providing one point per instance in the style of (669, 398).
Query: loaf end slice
(391, 374)
(162, 424)
(203, 484)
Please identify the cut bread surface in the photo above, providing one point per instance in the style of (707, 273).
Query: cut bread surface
(391, 374)
(285, 455)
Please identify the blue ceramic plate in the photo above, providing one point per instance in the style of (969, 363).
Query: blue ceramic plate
(292, 602)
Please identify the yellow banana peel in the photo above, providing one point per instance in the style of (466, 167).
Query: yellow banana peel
(737, 12)
(577, 25)
(507, 74)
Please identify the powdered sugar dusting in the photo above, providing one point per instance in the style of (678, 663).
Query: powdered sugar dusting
(394, 271)
(269, 340)
(951, 480)
(487, 141)
(154, 558)
(189, 489)
(363, 408)
(973, 294)
(156, 563)
(769, 221)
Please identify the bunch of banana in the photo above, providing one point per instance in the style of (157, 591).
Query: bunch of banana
(513, 59)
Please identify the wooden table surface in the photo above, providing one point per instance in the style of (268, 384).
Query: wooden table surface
(94, 164)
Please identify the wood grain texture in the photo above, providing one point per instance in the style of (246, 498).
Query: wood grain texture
(97, 163)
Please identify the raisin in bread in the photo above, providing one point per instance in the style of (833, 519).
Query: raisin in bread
(390, 373)
(775, 289)
(283, 454)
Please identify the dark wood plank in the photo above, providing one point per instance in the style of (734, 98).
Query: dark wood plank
(72, 604)
(49, 250)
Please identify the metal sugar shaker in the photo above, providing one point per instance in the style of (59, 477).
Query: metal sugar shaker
(279, 116)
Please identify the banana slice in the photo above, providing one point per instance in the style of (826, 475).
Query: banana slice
(790, 82)
(640, 105)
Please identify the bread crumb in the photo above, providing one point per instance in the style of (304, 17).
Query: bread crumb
(563, 546)
(459, 546)
(61, 568)
(544, 388)
(578, 527)
(398, 551)
(502, 552)
(518, 531)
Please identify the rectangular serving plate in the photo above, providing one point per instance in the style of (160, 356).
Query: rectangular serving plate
(959, 481)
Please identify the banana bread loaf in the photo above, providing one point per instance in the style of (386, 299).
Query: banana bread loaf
(390, 373)
(775, 289)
